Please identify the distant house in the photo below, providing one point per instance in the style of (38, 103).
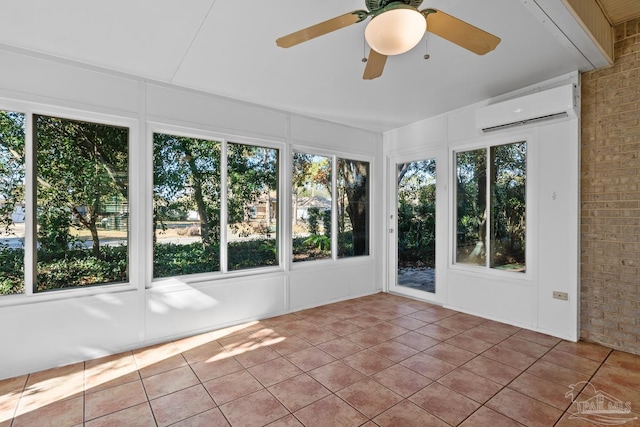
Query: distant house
(306, 203)
(18, 214)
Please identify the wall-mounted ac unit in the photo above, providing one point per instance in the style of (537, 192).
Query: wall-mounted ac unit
(551, 104)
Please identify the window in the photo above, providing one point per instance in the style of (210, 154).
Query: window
(186, 205)
(353, 208)
(81, 203)
(491, 207)
(12, 202)
(252, 206)
(188, 198)
(311, 207)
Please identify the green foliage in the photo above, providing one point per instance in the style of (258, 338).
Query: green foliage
(82, 167)
(80, 268)
(186, 177)
(53, 230)
(11, 271)
(308, 251)
(505, 180)
(176, 260)
(321, 242)
(353, 203)
(313, 220)
(12, 140)
(416, 213)
(252, 253)
(326, 222)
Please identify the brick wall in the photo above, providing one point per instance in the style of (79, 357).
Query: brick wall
(610, 197)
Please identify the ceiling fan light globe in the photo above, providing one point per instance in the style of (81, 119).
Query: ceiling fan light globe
(395, 31)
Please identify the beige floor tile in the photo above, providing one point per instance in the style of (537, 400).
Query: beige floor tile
(298, 392)
(310, 358)
(232, 386)
(113, 399)
(380, 360)
(471, 385)
(571, 361)
(136, 416)
(330, 412)
(524, 409)
(169, 382)
(211, 418)
(274, 371)
(428, 366)
(450, 354)
(407, 413)
(487, 417)
(542, 390)
(394, 351)
(444, 403)
(492, 370)
(66, 412)
(584, 349)
(369, 397)
(401, 380)
(256, 409)
(368, 362)
(181, 405)
(336, 375)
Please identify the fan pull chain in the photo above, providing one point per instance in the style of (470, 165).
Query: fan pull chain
(426, 46)
(364, 49)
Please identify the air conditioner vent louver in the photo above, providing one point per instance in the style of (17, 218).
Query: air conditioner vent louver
(552, 104)
(527, 122)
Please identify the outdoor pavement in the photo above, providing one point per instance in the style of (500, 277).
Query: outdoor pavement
(423, 279)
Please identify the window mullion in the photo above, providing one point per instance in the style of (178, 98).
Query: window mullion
(224, 194)
(30, 206)
(488, 208)
(334, 208)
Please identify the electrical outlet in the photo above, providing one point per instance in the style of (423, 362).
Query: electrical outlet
(564, 296)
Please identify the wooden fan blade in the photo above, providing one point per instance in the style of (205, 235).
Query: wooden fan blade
(461, 33)
(375, 65)
(322, 28)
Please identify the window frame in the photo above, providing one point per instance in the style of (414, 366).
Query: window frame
(486, 143)
(131, 122)
(154, 127)
(333, 155)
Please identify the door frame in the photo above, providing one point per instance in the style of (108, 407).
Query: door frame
(442, 224)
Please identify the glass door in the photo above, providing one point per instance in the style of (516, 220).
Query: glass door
(413, 227)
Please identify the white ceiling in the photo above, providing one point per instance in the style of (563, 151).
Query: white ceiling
(227, 47)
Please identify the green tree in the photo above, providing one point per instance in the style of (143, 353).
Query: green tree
(81, 167)
(353, 179)
(186, 176)
(11, 165)
(251, 171)
(416, 213)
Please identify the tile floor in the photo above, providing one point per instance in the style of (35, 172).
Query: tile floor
(381, 360)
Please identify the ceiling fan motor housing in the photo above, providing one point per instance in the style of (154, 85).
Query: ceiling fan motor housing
(374, 5)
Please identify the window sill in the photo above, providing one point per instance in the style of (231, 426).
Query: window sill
(65, 294)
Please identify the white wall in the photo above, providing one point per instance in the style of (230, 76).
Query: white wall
(552, 219)
(46, 330)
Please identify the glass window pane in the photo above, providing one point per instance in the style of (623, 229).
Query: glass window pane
(12, 202)
(508, 197)
(416, 210)
(311, 207)
(82, 203)
(252, 206)
(186, 205)
(471, 223)
(353, 208)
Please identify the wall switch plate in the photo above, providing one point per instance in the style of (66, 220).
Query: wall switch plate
(564, 296)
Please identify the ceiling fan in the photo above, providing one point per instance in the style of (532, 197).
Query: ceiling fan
(396, 27)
